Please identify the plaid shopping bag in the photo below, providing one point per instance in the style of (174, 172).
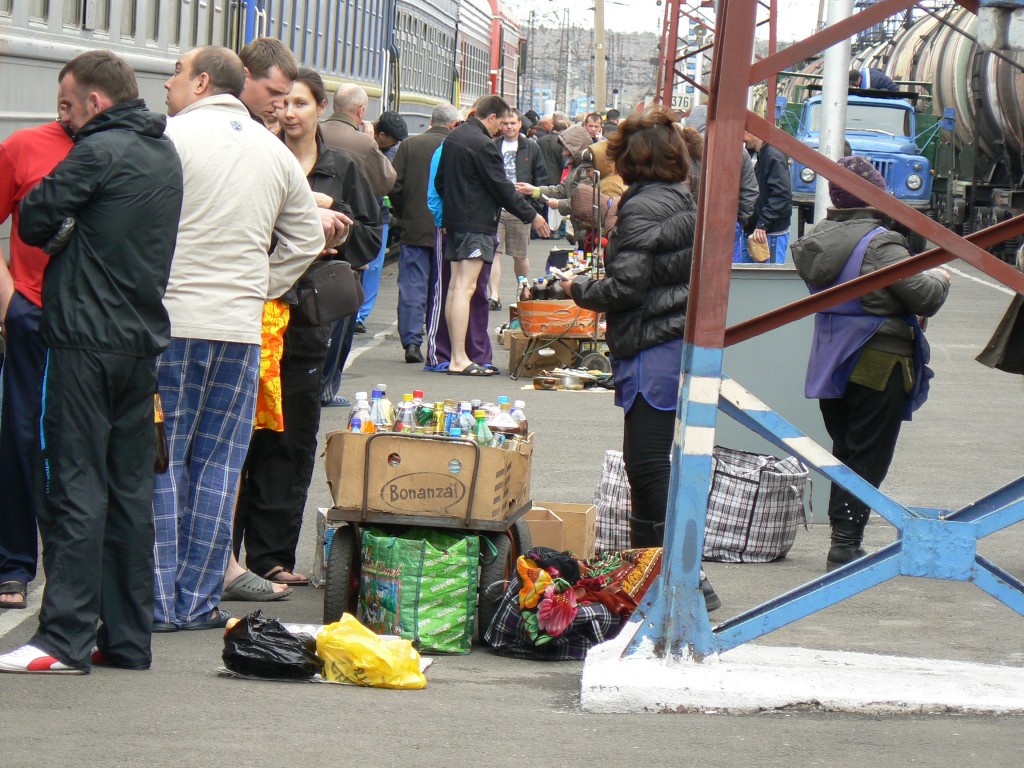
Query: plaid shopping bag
(613, 505)
(754, 507)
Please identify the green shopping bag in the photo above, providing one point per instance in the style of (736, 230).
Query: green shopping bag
(422, 586)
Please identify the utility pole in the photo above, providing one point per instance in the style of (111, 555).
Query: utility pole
(600, 60)
(834, 90)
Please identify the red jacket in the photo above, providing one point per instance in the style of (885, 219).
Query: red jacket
(26, 156)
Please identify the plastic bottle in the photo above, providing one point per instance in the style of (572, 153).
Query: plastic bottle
(386, 406)
(405, 417)
(481, 432)
(465, 419)
(360, 420)
(377, 413)
(455, 432)
(519, 414)
(437, 425)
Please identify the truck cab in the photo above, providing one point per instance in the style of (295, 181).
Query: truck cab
(880, 125)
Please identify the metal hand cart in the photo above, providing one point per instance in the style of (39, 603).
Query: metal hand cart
(507, 532)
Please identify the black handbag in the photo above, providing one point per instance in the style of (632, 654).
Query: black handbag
(326, 292)
(1005, 350)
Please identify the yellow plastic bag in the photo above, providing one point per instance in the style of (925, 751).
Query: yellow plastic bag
(352, 653)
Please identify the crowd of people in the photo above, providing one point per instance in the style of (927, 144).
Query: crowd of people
(153, 267)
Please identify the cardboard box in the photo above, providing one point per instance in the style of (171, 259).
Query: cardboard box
(324, 535)
(565, 353)
(564, 527)
(405, 477)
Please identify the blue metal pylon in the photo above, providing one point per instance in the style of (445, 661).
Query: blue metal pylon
(932, 543)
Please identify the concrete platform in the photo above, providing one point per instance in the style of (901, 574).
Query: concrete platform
(756, 678)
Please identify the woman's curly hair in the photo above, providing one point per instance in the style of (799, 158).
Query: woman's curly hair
(649, 147)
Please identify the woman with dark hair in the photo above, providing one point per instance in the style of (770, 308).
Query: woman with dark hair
(644, 294)
(279, 464)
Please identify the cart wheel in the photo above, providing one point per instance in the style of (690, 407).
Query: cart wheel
(595, 361)
(497, 569)
(341, 588)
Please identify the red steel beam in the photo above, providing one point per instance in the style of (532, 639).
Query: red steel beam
(719, 191)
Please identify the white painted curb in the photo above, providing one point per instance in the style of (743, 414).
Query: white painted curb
(755, 678)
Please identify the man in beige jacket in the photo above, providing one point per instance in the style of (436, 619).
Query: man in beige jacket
(249, 228)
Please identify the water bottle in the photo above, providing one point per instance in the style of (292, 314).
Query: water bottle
(387, 408)
(466, 420)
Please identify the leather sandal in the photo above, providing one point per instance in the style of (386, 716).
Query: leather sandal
(13, 587)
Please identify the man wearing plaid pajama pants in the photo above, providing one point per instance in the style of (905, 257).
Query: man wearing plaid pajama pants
(243, 189)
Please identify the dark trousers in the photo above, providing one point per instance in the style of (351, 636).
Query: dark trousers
(19, 440)
(864, 425)
(96, 509)
(279, 465)
(338, 348)
(415, 281)
(646, 452)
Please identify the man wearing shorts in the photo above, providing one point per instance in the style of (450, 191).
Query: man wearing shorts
(473, 188)
(523, 161)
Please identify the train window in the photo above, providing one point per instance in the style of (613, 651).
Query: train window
(97, 15)
(38, 10)
(127, 19)
(5, 7)
(174, 19)
(152, 20)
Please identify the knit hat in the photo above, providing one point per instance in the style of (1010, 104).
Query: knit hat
(392, 124)
(863, 168)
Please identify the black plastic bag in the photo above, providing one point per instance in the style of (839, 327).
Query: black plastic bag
(262, 647)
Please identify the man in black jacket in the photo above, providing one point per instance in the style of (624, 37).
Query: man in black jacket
(416, 252)
(472, 184)
(104, 324)
(523, 161)
(774, 207)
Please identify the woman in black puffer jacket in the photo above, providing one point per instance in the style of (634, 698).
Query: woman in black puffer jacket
(644, 295)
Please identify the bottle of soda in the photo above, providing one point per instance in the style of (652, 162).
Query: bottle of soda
(451, 415)
(438, 423)
(377, 413)
(360, 420)
(540, 290)
(524, 289)
(519, 414)
(405, 418)
(481, 432)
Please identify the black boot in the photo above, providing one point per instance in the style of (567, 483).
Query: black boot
(645, 533)
(847, 537)
(714, 602)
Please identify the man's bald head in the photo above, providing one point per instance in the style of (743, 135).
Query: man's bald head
(351, 100)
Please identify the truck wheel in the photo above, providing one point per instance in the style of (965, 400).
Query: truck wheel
(496, 569)
(341, 588)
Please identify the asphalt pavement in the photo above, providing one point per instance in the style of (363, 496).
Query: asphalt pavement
(484, 710)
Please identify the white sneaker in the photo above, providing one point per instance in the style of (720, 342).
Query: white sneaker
(30, 660)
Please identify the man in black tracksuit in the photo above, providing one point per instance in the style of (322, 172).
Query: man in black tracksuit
(472, 184)
(104, 323)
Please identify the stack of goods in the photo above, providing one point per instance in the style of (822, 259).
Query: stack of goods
(558, 607)
(494, 425)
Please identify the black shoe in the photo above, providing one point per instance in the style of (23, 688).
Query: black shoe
(413, 354)
(360, 328)
(846, 539)
(712, 599)
(494, 304)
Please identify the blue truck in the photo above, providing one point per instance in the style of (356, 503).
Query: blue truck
(885, 127)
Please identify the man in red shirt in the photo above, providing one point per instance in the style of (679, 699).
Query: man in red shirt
(25, 157)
